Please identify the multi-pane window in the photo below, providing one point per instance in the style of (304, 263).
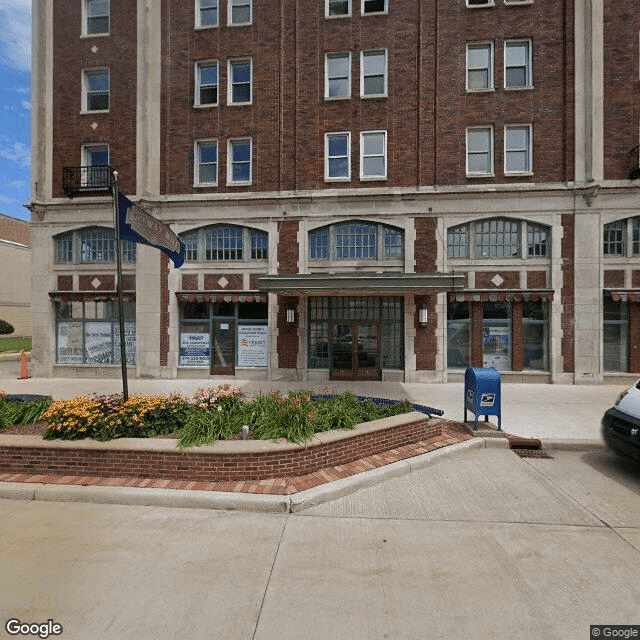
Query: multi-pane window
(635, 236)
(373, 155)
(338, 75)
(479, 66)
(206, 166)
(206, 83)
(374, 6)
(207, 13)
(97, 16)
(95, 155)
(239, 81)
(517, 149)
(374, 73)
(356, 241)
(225, 242)
(517, 64)
(338, 156)
(239, 170)
(498, 238)
(336, 8)
(239, 11)
(479, 3)
(94, 244)
(622, 238)
(479, 151)
(95, 160)
(95, 96)
(615, 336)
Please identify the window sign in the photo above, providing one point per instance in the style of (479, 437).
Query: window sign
(70, 343)
(252, 345)
(98, 342)
(497, 351)
(129, 343)
(195, 349)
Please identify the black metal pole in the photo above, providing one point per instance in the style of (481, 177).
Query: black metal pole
(116, 224)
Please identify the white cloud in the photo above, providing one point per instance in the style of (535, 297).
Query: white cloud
(15, 34)
(16, 152)
(17, 184)
(6, 200)
(21, 89)
(26, 105)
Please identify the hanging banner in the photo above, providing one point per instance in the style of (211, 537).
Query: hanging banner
(136, 225)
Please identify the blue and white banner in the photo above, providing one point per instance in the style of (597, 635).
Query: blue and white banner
(136, 225)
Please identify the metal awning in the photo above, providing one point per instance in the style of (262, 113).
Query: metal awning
(363, 284)
(91, 296)
(219, 296)
(623, 295)
(503, 295)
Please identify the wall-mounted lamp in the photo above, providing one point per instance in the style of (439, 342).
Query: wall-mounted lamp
(422, 316)
(291, 316)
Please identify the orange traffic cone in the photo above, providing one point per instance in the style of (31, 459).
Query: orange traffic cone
(24, 372)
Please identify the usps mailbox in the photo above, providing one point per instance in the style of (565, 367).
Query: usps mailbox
(482, 394)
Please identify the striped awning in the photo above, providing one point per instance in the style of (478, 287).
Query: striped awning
(90, 296)
(500, 296)
(217, 296)
(623, 295)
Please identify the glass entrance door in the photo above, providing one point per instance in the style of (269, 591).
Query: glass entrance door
(355, 353)
(223, 347)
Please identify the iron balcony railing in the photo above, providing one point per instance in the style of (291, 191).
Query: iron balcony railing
(87, 180)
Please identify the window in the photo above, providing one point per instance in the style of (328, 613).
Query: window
(622, 238)
(206, 83)
(458, 335)
(356, 241)
(338, 75)
(479, 66)
(95, 161)
(374, 73)
(207, 13)
(374, 6)
(337, 8)
(91, 245)
(517, 149)
(480, 151)
(373, 155)
(239, 170)
(95, 90)
(479, 3)
(87, 332)
(496, 335)
(96, 155)
(239, 11)
(337, 156)
(535, 336)
(225, 242)
(239, 81)
(96, 15)
(615, 337)
(206, 167)
(517, 64)
(498, 238)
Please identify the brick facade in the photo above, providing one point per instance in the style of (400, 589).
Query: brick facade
(14, 230)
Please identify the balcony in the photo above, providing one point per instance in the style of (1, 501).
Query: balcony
(87, 180)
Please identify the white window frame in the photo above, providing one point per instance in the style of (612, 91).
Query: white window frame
(198, 84)
(484, 5)
(199, 10)
(328, 78)
(230, 161)
(86, 148)
(528, 67)
(327, 136)
(231, 84)
(196, 162)
(85, 21)
(88, 178)
(529, 150)
(327, 13)
(230, 6)
(363, 55)
(85, 73)
(480, 174)
(364, 176)
(374, 13)
(490, 79)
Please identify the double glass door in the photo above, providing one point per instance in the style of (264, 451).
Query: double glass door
(355, 353)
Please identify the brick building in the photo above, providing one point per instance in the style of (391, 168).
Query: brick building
(15, 285)
(367, 189)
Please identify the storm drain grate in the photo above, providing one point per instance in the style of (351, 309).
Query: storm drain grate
(532, 453)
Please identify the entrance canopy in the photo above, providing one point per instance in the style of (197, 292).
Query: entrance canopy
(341, 284)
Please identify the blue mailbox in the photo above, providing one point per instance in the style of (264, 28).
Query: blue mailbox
(482, 394)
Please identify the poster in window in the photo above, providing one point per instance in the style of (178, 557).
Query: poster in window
(195, 349)
(69, 343)
(252, 346)
(497, 348)
(129, 343)
(98, 343)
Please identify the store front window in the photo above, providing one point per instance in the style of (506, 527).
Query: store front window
(496, 335)
(459, 335)
(88, 332)
(615, 340)
(535, 336)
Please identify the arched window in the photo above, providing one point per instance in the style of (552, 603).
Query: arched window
(225, 242)
(91, 245)
(356, 240)
(621, 238)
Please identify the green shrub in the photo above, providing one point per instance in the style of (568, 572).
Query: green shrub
(12, 413)
(6, 328)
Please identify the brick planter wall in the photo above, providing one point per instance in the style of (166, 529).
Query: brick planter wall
(205, 464)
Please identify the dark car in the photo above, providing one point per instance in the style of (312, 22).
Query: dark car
(621, 423)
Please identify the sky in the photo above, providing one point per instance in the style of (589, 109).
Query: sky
(15, 107)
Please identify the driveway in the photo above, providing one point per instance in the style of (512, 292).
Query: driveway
(485, 545)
